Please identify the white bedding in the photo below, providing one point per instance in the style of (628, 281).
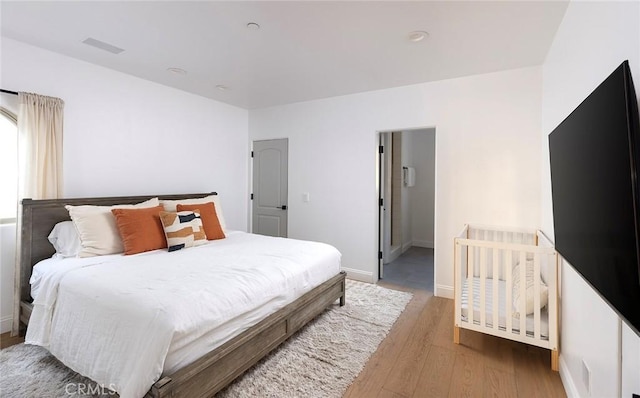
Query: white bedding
(502, 320)
(124, 321)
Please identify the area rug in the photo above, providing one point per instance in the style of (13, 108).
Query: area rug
(321, 360)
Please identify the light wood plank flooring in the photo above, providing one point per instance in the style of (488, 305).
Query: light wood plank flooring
(7, 341)
(419, 359)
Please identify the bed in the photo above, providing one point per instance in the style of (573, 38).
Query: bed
(506, 285)
(198, 366)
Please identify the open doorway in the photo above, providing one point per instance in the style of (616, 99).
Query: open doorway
(407, 207)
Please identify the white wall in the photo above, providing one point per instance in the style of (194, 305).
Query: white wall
(630, 362)
(423, 152)
(7, 261)
(407, 216)
(7, 245)
(593, 39)
(128, 136)
(125, 135)
(487, 149)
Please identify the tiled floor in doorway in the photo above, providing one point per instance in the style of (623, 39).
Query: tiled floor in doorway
(414, 269)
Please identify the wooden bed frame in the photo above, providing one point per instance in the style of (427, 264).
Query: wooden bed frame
(214, 370)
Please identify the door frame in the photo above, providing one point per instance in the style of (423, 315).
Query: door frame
(380, 193)
(382, 221)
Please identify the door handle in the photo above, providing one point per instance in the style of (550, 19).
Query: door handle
(283, 207)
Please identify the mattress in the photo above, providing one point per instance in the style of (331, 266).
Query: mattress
(502, 320)
(124, 321)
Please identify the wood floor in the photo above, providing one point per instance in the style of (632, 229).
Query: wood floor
(7, 341)
(419, 359)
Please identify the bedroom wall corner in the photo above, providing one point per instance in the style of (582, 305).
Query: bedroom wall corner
(487, 152)
(127, 136)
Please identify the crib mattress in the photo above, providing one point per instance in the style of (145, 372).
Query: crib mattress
(502, 323)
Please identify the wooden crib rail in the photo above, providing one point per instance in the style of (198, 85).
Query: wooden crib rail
(501, 229)
(543, 240)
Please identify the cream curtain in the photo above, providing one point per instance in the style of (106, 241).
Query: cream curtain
(40, 165)
(40, 145)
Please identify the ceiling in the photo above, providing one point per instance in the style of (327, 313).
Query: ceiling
(303, 50)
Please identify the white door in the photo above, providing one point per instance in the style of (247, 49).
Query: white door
(269, 206)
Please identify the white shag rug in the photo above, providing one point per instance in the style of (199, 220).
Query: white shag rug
(321, 360)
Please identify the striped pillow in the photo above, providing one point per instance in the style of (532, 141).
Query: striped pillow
(183, 229)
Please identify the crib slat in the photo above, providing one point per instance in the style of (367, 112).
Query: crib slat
(496, 291)
(458, 272)
(536, 295)
(483, 286)
(523, 294)
(503, 261)
(470, 274)
(509, 296)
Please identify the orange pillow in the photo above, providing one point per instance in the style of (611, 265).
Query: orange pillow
(210, 221)
(140, 229)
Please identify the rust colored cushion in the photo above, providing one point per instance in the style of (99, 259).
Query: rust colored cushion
(140, 229)
(209, 219)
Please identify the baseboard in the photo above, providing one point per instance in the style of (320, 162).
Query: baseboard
(423, 243)
(394, 253)
(444, 291)
(407, 246)
(567, 380)
(359, 275)
(5, 324)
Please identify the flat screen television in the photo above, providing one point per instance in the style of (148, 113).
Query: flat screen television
(595, 163)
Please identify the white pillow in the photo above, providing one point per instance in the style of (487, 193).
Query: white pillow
(97, 227)
(172, 205)
(64, 238)
(529, 299)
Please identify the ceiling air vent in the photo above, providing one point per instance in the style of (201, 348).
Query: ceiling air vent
(103, 46)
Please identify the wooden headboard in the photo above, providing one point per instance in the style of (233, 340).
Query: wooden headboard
(38, 219)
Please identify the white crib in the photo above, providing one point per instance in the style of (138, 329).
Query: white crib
(488, 263)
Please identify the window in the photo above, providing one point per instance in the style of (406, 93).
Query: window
(8, 167)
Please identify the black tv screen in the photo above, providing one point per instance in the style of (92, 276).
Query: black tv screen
(596, 203)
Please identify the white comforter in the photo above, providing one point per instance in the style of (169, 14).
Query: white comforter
(124, 321)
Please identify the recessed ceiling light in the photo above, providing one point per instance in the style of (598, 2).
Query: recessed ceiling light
(222, 87)
(253, 26)
(177, 71)
(417, 35)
